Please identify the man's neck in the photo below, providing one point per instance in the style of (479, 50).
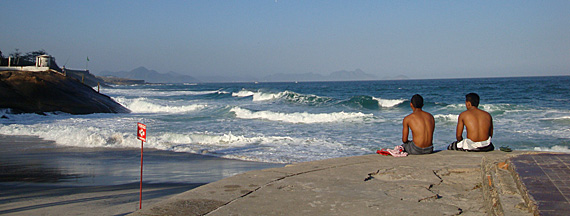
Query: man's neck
(417, 109)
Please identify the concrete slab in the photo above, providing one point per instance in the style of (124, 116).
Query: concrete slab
(444, 183)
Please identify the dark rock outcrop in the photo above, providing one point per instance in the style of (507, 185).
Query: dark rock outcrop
(38, 92)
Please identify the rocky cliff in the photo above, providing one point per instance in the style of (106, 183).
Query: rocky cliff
(38, 92)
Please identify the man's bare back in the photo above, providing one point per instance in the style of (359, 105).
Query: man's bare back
(479, 125)
(422, 125)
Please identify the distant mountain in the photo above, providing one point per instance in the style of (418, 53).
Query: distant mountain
(151, 76)
(226, 78)
(342, 75)
(294, 77)
(350, 76)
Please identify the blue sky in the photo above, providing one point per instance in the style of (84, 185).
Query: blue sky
(419, 39)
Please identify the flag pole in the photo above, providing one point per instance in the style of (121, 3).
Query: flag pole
(141, 135)
(140, 191)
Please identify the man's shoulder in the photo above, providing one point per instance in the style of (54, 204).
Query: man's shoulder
(473, 112)
(427, 113)
(481, 112)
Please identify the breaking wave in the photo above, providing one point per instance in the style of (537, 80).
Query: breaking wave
(446, 117)
(156, 92)
(144, 105)
(284, 95)
(300, 117)
(555, 148)
(388, 102)
(368, 102)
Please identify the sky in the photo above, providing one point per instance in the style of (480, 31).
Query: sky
(418, 39)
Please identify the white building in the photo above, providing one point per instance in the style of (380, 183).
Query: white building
(43, 61)
(42, 64)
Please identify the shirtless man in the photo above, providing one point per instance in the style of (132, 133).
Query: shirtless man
(422, 125)
(479, 126)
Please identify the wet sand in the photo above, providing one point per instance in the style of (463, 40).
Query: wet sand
(37, 177)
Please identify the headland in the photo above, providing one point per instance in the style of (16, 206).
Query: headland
(47, 91)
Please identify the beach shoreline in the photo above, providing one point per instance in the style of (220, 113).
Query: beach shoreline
(39, 177)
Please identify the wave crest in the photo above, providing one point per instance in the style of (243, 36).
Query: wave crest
(368, 102)
(388, 102)
(289, 96)
(299, 117)
(555, 148)
(446, 117)
(143, 105)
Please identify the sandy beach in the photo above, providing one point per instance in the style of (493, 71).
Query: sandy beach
(37, 177)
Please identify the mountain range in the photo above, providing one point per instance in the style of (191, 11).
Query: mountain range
(343, 75)
(151, 76)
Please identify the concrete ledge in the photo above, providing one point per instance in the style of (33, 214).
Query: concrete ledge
(444, 183)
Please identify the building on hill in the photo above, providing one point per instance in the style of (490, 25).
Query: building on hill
(43, 61)
(43, 64)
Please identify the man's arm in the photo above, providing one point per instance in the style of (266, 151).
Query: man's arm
(459, 129)
(405, 130)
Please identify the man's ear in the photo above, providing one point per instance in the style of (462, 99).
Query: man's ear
(468, 104)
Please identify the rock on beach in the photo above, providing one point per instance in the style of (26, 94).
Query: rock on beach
(39, 92)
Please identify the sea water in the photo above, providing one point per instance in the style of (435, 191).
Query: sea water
(305, 121)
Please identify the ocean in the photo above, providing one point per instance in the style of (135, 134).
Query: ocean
(305, 121)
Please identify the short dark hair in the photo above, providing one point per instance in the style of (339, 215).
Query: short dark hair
(473, 98)
(417, 101)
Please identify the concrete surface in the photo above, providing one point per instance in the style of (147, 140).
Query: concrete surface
(444, 183)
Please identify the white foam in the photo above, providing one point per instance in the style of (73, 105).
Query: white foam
(559, 118)
(72, 133)
(490, 107)
(155, 92)
(446, 117)
(388, 102)
(300, 117)
(275, 149)
(555, 148)
(144, 105)
(286, 95)
(260, 96)
(242, 93)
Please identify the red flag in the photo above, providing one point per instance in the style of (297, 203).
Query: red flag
(141, 132)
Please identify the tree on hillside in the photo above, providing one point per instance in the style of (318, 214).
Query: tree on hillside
(16, 55)
(27, 59)
(31, 56)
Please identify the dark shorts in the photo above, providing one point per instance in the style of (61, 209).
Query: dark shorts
(453, 146)
(411, 148)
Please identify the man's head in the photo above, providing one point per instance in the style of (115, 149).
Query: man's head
(417, 101)
(473, 99)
